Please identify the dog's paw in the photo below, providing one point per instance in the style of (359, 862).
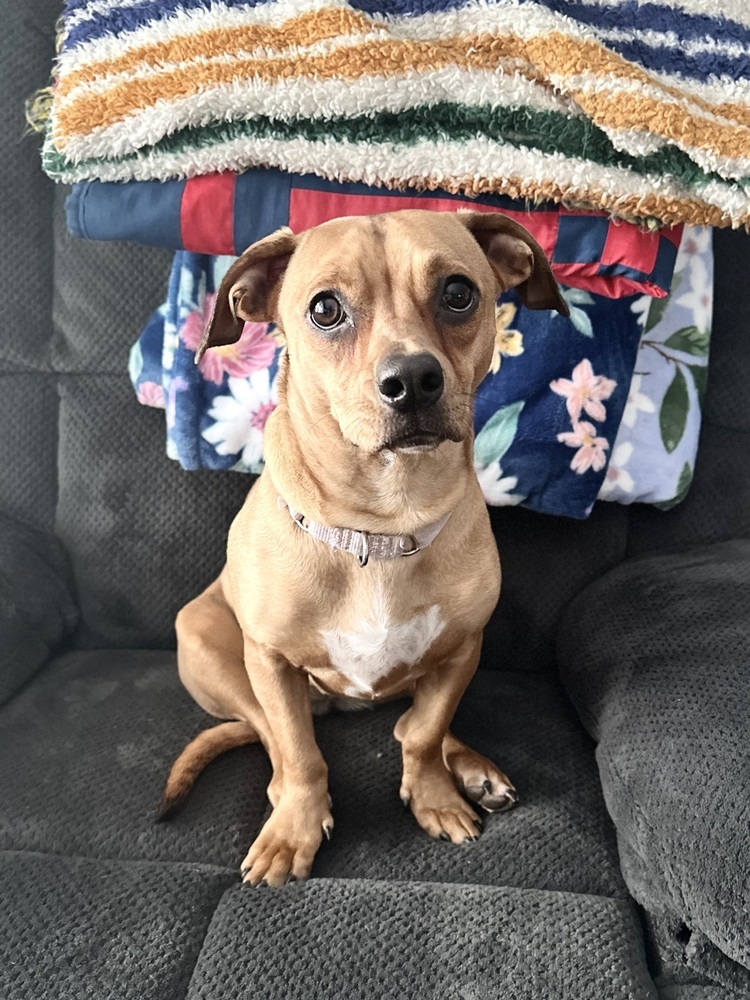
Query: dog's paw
(285, 848)
(440, 810)
(479, 780)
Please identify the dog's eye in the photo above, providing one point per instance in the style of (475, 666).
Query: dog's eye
(326, 311)
(458, 293)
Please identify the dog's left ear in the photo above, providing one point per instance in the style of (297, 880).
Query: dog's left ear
(249, 290)
(516, 258)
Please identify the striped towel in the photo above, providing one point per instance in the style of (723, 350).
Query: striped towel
(640, 109)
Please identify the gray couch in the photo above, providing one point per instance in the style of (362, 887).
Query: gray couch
(615, 690)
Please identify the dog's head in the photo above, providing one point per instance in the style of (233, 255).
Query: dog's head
(389, 320)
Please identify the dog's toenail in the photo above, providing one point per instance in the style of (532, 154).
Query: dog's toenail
(487, 785)
(290, 879)
(470, 840)
(444, 835)
(405, 801)
(512, 794)
(327, 830)
(244, 870)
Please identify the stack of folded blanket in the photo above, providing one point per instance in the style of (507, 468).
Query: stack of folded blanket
(603, 127)
(637, 108)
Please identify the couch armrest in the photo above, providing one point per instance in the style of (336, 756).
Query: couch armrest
(37, 609)
(656, 658)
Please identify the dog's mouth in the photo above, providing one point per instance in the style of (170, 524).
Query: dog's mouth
(419, 441)
(415, 435)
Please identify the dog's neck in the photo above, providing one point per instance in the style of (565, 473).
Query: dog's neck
(318, 472)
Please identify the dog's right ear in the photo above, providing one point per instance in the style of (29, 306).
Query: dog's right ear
(249, 290)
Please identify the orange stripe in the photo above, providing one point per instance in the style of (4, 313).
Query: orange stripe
(306, 29)
(386, 58)
(556, 53)
(634, 111)
(669, 210)
(570, 56)
(562, 55)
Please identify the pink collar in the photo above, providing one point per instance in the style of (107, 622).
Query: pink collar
(364, 545)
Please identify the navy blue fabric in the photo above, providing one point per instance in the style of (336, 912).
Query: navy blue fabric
(118, 21)
(675, 60)
(110, 211)
(632, 14)
(261, 200)
(586, 233)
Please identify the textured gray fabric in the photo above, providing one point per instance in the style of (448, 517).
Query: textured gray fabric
(75, 929)
(697, 993)
(28, 399)
(84, 754)
(665, 689)
(103, 297)
(28, 446)
(103, 728)
(37, 609)
(729, 372)
(545, 562)
(28, 40)
(369, 940)
(144, 536)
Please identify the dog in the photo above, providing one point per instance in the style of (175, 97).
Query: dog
(362, 564)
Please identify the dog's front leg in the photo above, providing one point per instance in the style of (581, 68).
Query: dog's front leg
(286, 846)
(429, 779)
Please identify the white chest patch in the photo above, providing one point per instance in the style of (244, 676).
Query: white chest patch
(377, 644)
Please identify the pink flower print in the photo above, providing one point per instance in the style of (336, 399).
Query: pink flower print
(584, 391)
(254, 350)
(261, 415)
(590, 454)
(151, 394)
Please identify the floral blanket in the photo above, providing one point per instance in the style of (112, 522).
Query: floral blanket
(604, 403)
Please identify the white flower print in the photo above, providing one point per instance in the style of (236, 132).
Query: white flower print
(496, 487)
(617, 479)
(241, 417)
(638, 402)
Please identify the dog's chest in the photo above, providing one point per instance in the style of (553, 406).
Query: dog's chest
(376, 641)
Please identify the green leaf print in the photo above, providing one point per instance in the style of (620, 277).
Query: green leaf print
(497, 435)
(683, 485)
(689, 340)
(674, 411)
(700, 377)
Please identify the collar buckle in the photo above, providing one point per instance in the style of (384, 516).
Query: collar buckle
(412, 542)
(364, 556)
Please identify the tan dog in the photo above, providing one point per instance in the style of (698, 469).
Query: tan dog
(390, 326)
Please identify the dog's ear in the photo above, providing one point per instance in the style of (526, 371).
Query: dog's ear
(249, 290)
(516, 258)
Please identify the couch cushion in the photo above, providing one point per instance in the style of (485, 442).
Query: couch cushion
(85, 750)
(75, 929)
(370, 940)
(656, 657)
(36, 606)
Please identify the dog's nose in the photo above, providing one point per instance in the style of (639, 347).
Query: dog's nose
(409, 381)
